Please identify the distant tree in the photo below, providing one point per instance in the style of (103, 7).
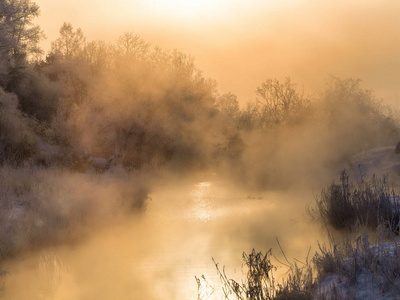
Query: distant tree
(70, 44)
(19, 38)
(249, 117)
(278, 101)
(98, 55)
(228, 105)
(159, 58)
(184, 64)
(131, 45)
(355, 114)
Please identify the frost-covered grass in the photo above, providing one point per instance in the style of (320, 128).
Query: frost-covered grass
(364, 264)
(371, 203)
(260, 282)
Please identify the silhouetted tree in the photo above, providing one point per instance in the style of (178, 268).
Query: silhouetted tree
(17, 32)
(132, 46)
(70, 44)
(19, 38)
(228, 105)
(98, 55)
(278, 101)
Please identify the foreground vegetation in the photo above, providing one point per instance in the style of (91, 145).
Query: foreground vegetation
(142, 107)
(363, 264)
(370, 203)
(360, 267)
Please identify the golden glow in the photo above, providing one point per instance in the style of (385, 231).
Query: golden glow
(189, 10)
(202, 210)
(205, 288)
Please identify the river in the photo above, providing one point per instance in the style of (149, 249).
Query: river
(157, 254)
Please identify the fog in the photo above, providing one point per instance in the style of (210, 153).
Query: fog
(149, 137)
(156, 255)
(241, 44)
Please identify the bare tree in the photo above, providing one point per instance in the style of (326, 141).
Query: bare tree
(71, 42)
(229, 105)
(132, 45)
(278, 100)
(98, 54)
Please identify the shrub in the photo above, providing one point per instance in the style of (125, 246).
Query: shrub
(38, 96)
(371, 203)
(18, 140)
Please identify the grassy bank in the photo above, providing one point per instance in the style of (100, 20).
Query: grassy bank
(364, 264)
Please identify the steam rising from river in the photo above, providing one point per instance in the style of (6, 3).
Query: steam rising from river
(156, 114)
(157, 254)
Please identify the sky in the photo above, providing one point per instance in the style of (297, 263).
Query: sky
(240, 44)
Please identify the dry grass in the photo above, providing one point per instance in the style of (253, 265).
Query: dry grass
(371, 203)
(365, 264)
(260, 282)
(361, 264)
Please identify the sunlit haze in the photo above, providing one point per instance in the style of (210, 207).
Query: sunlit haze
(187, 11)
(156, 141)
(240, 44)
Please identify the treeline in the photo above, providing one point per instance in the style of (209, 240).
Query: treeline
(289, 137)
(138, 106)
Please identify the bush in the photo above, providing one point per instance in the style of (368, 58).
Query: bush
(38, 96)
(18, 141)
(370, 203)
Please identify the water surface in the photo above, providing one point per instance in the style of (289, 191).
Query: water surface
(157, 254)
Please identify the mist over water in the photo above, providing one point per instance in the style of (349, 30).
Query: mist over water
(156, 254)
(126, 167)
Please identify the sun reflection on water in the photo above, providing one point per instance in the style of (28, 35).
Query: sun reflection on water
(200, 195)
(159, 253)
